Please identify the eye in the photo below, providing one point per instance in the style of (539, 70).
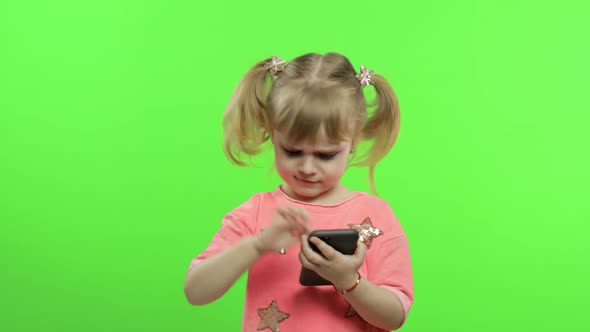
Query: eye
(327, 156)
(291, 153)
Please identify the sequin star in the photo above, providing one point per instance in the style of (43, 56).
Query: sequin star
(270, 317)
(276, 65)
(366, 231)
(364, 77)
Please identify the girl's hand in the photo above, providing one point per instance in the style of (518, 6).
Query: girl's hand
(288, 224)
(341, 270)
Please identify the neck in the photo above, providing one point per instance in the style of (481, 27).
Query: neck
(335, 195)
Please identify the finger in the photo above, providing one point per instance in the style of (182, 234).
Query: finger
(288, 219)
(282, 221)
(361, 250)
(294, 225)
(306, 263)
(283, 211)
(298, 227)
(307, 229)
(310, 254)
(303, 214)
(304, 244)
(299, 213)
(303, 220)
(325, 249)
(297, 219)
(306, 218)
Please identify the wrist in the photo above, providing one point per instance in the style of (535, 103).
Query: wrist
(348, 285)
(257, 244)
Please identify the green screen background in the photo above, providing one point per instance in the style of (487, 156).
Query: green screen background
(112, 176)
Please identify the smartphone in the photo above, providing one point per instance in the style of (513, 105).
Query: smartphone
(343, 240)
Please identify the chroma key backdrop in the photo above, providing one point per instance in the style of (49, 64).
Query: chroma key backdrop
(112, 174)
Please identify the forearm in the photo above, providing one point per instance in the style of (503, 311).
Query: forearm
(212, 277)
(376, 305)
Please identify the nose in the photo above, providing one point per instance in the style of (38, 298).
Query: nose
(307, 166)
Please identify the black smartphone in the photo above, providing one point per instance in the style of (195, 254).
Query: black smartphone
(343, 240)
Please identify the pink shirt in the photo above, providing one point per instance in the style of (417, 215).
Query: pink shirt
(274, 278)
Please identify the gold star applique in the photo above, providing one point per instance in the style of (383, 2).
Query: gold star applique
(270, 317)
(350, 312)
(366, 231)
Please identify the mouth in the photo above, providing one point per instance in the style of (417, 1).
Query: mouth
(306, 182)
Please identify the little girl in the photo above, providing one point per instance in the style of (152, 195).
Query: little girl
(314, 112)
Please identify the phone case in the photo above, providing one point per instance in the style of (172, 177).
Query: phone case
(343, 240)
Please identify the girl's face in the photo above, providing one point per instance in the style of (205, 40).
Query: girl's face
(311, 168)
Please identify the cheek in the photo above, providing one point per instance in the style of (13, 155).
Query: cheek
(336, 169)
(282, 165)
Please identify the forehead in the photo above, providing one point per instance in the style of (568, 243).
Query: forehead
(320, 141)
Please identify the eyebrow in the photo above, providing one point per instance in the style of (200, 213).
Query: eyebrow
(324, 149)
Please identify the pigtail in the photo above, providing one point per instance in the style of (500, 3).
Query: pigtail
(245, 118)
(381, 128)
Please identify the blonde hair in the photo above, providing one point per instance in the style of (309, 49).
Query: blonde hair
(314, 92)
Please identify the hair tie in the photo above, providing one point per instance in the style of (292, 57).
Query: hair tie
(364, 77)
(275, 65)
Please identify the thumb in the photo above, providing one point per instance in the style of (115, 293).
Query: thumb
(361, 249)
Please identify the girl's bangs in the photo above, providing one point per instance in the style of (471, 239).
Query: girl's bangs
(307, 114)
